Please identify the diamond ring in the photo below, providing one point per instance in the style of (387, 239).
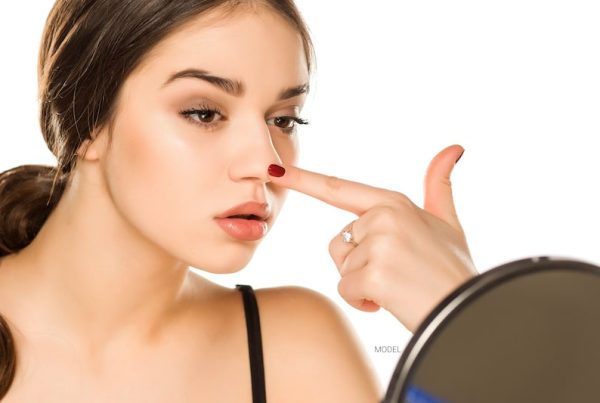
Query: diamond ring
(347, 235)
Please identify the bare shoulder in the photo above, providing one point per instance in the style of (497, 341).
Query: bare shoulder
(310, 348)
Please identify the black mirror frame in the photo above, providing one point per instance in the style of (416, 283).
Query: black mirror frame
(456, 301)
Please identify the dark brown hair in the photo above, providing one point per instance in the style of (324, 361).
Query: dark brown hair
(88, 49)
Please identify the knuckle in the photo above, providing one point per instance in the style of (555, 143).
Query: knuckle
(402, 199)
(382, 246)
(373, 279)
(387, 213)
(342, 287)
(331, 247)
(384, 216)
(345, 264)
(338, 256)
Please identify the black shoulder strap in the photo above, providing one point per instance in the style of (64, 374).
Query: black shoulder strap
(257, 371)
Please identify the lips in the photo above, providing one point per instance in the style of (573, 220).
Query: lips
(245, 222)
(250, 210)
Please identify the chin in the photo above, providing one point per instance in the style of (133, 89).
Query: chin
(224, 260)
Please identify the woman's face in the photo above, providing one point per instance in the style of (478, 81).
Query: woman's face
(186, 149)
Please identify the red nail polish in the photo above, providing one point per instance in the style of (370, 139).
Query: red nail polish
(276, 170)
(460, 156)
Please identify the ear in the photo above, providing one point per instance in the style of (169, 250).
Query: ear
(93, 149)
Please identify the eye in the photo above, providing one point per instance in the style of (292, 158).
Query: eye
(208, 117)
(287, 123)
(204, 116)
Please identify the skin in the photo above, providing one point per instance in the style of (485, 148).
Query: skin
(111, 303)
(102, 303)
(407, 259)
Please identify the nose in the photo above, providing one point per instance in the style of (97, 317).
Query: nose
(253, 152)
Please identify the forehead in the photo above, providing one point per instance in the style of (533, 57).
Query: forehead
(252, 45)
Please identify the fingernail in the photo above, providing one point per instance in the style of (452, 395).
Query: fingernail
(276, 170)
(460, 156)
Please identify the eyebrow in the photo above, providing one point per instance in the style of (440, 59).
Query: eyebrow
(233, 87)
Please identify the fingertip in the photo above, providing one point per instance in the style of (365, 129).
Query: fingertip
(460, 156)
(443, 162)
(276, 170)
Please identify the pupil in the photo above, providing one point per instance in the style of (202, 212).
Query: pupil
(282, 121)
(205, 115)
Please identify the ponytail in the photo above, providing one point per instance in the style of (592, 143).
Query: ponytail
(27, 196)
(8, 358)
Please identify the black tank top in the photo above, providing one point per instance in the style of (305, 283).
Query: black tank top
(257, 370)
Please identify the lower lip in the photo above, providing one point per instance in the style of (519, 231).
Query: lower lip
(244, 230)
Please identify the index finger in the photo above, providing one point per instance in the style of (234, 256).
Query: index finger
(352, 196)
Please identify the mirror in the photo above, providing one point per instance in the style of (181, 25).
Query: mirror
(526, 331)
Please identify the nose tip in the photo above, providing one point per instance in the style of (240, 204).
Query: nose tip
(260, 170)
(254, 161)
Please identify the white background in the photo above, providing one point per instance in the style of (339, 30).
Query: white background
(514, 82)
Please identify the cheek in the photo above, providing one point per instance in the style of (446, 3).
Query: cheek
(159, 176)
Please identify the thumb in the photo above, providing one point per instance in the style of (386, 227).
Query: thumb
(438, 188)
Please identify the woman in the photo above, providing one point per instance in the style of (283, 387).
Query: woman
(167, 118)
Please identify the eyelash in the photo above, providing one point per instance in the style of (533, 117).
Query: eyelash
(188, 113)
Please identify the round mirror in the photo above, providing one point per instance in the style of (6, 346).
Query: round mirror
(527, 331)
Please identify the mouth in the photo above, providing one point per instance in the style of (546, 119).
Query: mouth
(244, 227)
(247, 217)
(251, 211)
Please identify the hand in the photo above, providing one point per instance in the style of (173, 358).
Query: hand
(407, 258)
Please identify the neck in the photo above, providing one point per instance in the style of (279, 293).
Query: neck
(93, 277)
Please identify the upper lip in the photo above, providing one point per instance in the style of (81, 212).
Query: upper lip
(261, 210)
